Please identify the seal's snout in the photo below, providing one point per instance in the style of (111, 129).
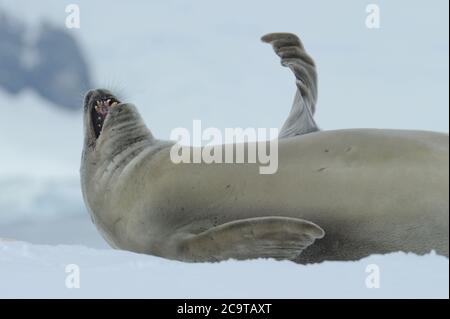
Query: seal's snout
(87, 97)
(99, 103)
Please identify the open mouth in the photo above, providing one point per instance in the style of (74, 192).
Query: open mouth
(100, 110)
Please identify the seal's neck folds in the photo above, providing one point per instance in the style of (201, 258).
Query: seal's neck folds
(123, 129)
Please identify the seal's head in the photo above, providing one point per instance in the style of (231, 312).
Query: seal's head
(110, 124)
(97, 106)
(98, 103)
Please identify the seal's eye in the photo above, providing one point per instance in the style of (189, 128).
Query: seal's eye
(100, 111)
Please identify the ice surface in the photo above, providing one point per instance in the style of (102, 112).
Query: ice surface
(28, 270)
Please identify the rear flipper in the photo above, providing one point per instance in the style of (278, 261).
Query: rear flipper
(264, 237)
(293, 55)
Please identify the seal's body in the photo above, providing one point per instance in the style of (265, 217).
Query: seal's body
(371, 191)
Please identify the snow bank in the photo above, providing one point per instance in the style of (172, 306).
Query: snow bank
(46, 210)
(35, 199)
(28, 270)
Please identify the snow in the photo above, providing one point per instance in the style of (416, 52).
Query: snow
(178, 62)
(28, 271)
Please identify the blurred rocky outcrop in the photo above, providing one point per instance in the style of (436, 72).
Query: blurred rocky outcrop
(50, 63)
(13, 75)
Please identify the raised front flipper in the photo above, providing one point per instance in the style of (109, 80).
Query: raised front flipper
(264, 237)
(293, 55)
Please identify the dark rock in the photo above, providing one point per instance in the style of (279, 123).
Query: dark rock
(53, 64)
(61, 73)
(13, 76)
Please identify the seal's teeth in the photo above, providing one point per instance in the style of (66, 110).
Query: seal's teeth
(97, 102)
(108, 101)
(114, 104)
